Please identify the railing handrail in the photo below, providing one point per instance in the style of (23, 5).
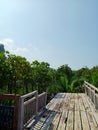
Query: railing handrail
(92, 92)
(91, 86)
(21, 107)
(29, 94)
(32, 97)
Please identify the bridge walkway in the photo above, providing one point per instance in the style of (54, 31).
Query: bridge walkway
(68, 111)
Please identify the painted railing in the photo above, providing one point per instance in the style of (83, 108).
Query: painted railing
(92, 92)
(6, 117)
(30, 105)
(9, 112)
(42, 100)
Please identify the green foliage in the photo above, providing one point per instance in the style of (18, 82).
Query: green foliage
(77, 85)
(64, 83)
(4, 67)
(65, 71)
(94, 76)
(17, 75)
(54, 89)
(42, 75)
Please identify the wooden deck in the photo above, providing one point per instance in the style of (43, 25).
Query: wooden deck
(68, 111)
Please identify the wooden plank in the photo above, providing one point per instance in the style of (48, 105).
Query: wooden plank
(94, 113)
(69, 103)
(72, 102)
(84, 119)
(77, 125)
(70, 118)
(81, 106)
(73, 113)
(52, 104)
(48, 122)
(69, 125)
(40, 122)
(77, 122)
(55, 122)
(91, 120)
(63, 120)
(56, 103)
(76, 102)
(83, 116)
(8, 96)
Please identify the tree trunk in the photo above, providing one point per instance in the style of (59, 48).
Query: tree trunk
(26, 85)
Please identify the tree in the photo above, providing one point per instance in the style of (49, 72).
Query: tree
(41, 75)
(19, 70)
(94, 76)
(77, 85)
(4, 67)
(66, 71)
(64, 77)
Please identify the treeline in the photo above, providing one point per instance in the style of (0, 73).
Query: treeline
(19, 76)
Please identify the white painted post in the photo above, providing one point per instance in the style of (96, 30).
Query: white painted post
(21, 114)
(96, 101)
(36, 96)
(85, 89)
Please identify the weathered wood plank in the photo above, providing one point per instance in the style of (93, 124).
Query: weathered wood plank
(93, 113)
(69, 125)
(77, 125)
(84, 119)
(77, 122)
(55, 122)
(72, 112)
(90, 116)
(63, 120)
(70, 120)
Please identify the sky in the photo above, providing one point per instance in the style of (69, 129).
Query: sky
(55, 31)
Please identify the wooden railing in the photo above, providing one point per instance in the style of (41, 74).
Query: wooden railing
(30, 104)
(42, 100)
(92, 92)
(9, 112)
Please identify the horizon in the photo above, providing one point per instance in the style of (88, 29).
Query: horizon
(48, 62)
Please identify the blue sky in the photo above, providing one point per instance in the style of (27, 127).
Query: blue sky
(56, 31)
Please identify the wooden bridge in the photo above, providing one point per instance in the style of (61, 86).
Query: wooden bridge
(66, 111)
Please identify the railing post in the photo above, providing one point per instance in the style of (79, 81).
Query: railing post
(45, 98)
(85, 89)
(16, 110)
(21, 108)
(21, 114)
(96, 102)
(36, 96)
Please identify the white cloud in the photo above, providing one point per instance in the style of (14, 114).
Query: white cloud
(7, 41)
(18, 50)
(13, 48)
(30, 52)
(9, 44)
(22, 52)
